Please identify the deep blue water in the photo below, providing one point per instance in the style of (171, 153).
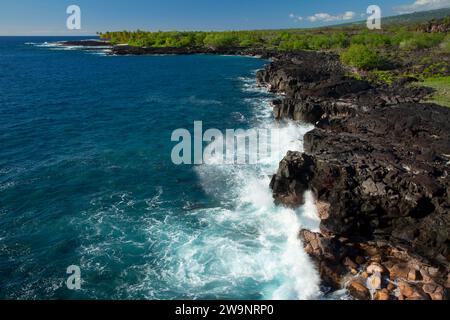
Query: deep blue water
(86, 179)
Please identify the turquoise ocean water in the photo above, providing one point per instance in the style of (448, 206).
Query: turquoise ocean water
(86, 179)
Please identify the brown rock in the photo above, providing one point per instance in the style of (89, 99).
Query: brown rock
(398, 270)
(382, 295)
(376, 258)
(311, 242)
(435, 291)
(358, 291)
(434, 272)
(411, 292)
(406, 290)
(323, 210)
(425, 275)
(414, 275)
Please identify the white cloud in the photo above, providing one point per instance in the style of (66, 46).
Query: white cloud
(295, 17)
(422, 5)
(349, 15)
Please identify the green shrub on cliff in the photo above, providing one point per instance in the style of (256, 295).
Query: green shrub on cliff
(220, 40)
(363, 57)
(419, 40)
(371, 38)
(384, 77)
(445, 44)
(333, 40)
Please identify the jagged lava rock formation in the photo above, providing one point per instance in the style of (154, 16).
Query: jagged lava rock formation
(378, 163)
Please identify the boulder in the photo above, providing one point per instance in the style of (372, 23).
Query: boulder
(382, 295)
(358, 290)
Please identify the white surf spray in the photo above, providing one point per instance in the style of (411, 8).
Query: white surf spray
(253, 244)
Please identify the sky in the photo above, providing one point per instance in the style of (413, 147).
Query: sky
(48, 17)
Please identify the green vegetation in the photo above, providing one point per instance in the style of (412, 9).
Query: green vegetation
(437, 69)
(295, 39)
(384, 77)
(418, 40)
(442, 90)
(445, 45)
(363, 57)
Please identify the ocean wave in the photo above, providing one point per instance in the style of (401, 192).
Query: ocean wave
(47, 44)
(59, 46)
(204, 102)
(238, 117)
(250, 85)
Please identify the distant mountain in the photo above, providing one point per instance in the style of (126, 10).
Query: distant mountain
(416, 17)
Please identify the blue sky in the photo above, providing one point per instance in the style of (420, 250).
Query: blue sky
(48, 17)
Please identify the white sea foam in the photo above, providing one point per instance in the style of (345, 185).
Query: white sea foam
(58, 46)
(47, 44)
(255, 241)
(239, 117)
(250, 85)
(203, 102)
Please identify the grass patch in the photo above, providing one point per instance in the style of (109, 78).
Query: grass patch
(442, 87)
(384, 77)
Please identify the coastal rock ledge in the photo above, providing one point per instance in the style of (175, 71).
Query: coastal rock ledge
(378, 163)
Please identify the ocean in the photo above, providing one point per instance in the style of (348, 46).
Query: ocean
(86, 179)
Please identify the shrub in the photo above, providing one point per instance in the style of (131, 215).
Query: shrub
(409, 45)
(421, 41)
(371, 39)
(363, 57)
(386, 77)
(445, 44)
(340, 40)
(439, 69)
(320, 42)
(333, 40)
(220, 40)
(297, 44)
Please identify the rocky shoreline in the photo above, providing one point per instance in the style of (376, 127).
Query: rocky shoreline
(126, 50)
(378, 163)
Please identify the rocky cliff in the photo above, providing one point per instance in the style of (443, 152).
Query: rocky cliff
(378, 163)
